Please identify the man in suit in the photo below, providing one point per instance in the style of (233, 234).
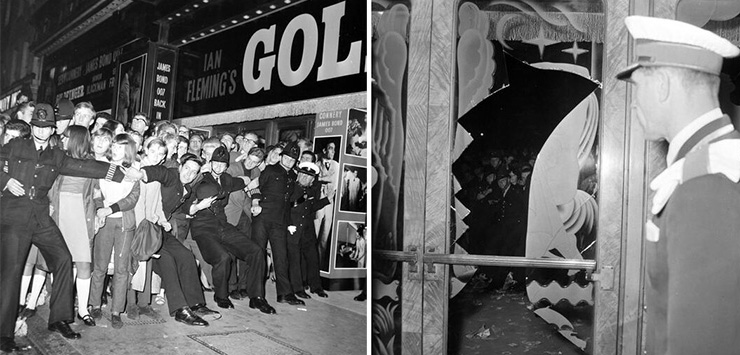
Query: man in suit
(218, 240)
(176, 264)
(32, 166)
(328, 177)
(238, 210)
(693, 245)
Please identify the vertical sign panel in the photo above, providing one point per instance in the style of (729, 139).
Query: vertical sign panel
(163, 84)
(340, 143)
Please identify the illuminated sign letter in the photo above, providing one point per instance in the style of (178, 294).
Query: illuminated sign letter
(330, 67)
(307, 24)
(266, 64)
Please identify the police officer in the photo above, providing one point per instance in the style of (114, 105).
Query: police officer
(303, 252)
(271, 223)
(509, 233)
(218, 240)
(692, 246)
(32, 166)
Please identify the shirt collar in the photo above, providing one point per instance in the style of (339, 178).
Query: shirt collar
(684, 134)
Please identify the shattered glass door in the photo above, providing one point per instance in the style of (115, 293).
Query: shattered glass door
(525, 173)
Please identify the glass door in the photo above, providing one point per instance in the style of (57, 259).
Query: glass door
(513, 173)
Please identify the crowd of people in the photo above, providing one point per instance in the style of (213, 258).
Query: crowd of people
(120, 216)
(495, 186)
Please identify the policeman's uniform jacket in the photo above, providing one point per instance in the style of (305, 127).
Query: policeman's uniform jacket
(276, 186)
(37, 172)
(25, 218)
(305, 201)
(215, 213)
(693, 243)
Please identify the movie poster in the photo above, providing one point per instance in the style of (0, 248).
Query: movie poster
(340, 226)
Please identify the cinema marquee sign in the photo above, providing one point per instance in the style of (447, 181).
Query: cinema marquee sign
(308, 50)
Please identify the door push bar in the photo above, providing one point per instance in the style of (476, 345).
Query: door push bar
(433, 262)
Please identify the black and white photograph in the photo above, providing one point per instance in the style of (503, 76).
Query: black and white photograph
(357, 134)
(170, 174)
(351, 245)
(354, 189)
(130, 95)
(327, 159)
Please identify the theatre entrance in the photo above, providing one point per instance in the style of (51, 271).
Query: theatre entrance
(471, 102)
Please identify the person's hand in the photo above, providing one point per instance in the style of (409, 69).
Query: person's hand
(104, 212)
(256, 210)
(246, 179)
(253, 184)
(241, 157)
(15, 187)
(132, 174)
(292, 229)
(51, 210)
(99, 223)
(167, 226)
(205, 203)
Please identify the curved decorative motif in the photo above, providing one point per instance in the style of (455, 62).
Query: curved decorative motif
(554, 293)
(564, 326)
(390, 54)
(700, 12)
(558, 210)
(381, 289)
(475, 64)
(530, 21)
(384, 329)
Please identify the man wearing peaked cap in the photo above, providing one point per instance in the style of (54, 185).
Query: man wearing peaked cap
(692, 236)
(302, 244)
(218, 240)
(308, 168)
(28, 168)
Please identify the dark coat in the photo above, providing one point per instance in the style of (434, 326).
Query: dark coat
(37, 172)
(173, 196)
(228, 185)
(692, 282)
(305, 201)
(276, 186)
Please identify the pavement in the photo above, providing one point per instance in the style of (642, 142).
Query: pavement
(334, 325)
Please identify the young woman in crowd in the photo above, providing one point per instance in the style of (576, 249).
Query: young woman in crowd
(117, 220)
(73, 209)
(101, 141)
